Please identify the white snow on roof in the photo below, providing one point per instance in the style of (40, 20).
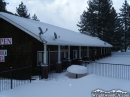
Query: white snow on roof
(67, 37)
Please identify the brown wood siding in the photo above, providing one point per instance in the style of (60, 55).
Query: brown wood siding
(23, 50)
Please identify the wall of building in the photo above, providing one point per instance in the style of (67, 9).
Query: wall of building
(23, 50)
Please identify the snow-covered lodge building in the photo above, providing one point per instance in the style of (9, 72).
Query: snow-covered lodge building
(29, 47)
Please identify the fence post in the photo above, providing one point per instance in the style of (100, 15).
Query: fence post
(11, 82)
(30, 73)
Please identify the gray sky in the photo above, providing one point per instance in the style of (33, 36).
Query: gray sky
(62, 13)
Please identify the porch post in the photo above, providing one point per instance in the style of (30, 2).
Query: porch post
(107, 51)
(93, 53)
(68, 52)
(97, 52)
(45, 50)
(87, 51)
(104, 51)
(110, 51)
(79, 52)
(101, 51)
(59, 54)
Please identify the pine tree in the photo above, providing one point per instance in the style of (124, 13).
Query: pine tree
(104, 19)
(125, 20)
(88, 23)
(116, 27)
(34, 17)
(83, 23)
(22, 11)
(100, 20)
(3, 6)
(95, 19)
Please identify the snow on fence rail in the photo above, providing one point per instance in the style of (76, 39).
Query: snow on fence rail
(120, 71)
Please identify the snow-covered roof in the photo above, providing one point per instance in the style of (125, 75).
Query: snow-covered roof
(67, 37)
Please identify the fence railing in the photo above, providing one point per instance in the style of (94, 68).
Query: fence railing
(120, 71)
(15, 77)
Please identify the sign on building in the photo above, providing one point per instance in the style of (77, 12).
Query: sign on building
(2, 58)
(5, 41)
(64, 50)
(3, 52)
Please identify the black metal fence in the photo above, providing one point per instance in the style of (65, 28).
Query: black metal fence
(120, 71)
(15, 77)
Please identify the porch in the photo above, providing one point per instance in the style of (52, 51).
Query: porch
(116, 66)
(59, 58)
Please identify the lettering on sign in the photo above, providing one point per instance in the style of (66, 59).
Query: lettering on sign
(3, 52)
(5, 41)
(2, 58)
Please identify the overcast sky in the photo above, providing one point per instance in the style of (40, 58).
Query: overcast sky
(62, 13)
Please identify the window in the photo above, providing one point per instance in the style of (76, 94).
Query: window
(62, 47)
(40, 57)
(129, 48)
(95, 51)
(65, 54)
(75, 54)
(82, 53)
(85, 52)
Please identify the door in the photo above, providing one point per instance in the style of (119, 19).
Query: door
(53, 57)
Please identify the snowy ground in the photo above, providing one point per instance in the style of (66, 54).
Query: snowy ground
(66, 85)
(63, 86)
(5, 83)
(116, 59)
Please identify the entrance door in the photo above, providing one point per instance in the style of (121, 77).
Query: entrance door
(53, 57)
